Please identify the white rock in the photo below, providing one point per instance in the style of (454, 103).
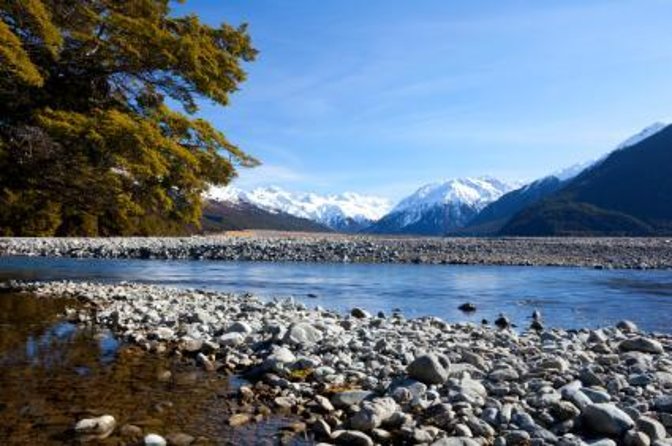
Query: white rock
(154, 440)
(96, 428)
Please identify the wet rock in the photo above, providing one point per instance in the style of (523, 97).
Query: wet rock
(190, 345)
(131, 432)
(627, 326)
(605, 418)
(95, 428)
(180, 439)
(321, 428)
(429, 369)
(360, 313)
(239, 419)
(467, 307)
(502, 322)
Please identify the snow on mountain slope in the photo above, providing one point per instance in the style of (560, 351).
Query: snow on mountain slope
(475, 193)
(641, 136)
(573, 171)
(344, 212)
(437, 208)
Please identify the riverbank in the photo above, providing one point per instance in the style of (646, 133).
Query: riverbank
(362, 378)
(630, 253)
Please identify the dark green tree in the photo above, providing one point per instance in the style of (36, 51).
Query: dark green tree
(88, 144)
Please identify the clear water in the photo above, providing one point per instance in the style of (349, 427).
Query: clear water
(567, 297)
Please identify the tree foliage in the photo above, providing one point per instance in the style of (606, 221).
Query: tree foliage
(88, 142)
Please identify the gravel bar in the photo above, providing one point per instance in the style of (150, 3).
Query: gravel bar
(630, 253)
(362, 379)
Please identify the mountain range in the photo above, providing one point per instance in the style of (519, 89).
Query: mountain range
(585, 199)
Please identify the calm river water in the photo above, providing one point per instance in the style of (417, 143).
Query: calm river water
(567, 297)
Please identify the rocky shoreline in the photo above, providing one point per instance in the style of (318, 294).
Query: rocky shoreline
(362, 379)
(630, 253)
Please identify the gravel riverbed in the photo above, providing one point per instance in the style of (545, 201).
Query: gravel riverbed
(363, 379)
(588, 252)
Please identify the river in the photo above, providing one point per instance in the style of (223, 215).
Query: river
(566, 297)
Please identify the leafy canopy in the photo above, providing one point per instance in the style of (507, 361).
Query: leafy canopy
(88, 144)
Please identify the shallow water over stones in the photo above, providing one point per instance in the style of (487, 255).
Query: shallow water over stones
(566, 297)
(53, 374)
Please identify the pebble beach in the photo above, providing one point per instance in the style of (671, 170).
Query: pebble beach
(365, 379)
(627, 253)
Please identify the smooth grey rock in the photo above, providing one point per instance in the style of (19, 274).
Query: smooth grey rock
(636, 438)
(240, 327)
(373, 413)
(456, 441)
(232, 339)
(504, 374)
(429, 369)
(641, 344)
(303, 334)
(664, 403)
(164, 333)
(350, 398)
(653, 428)
(606, 418)
(352, 438)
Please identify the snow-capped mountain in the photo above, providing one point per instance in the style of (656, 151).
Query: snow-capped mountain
(641, 136)
(437, 208)
(494, 216)
(347, 212)
(573, 171)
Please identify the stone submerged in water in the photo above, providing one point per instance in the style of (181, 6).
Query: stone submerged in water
(467, 307)
(95, 428)
(607, 419)
(429, 369)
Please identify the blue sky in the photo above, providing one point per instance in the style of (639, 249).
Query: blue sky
(382, 96)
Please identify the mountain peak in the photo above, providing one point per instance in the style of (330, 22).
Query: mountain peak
(337, 211)
(471, 191)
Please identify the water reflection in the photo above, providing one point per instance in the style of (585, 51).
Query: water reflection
(52, 374)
